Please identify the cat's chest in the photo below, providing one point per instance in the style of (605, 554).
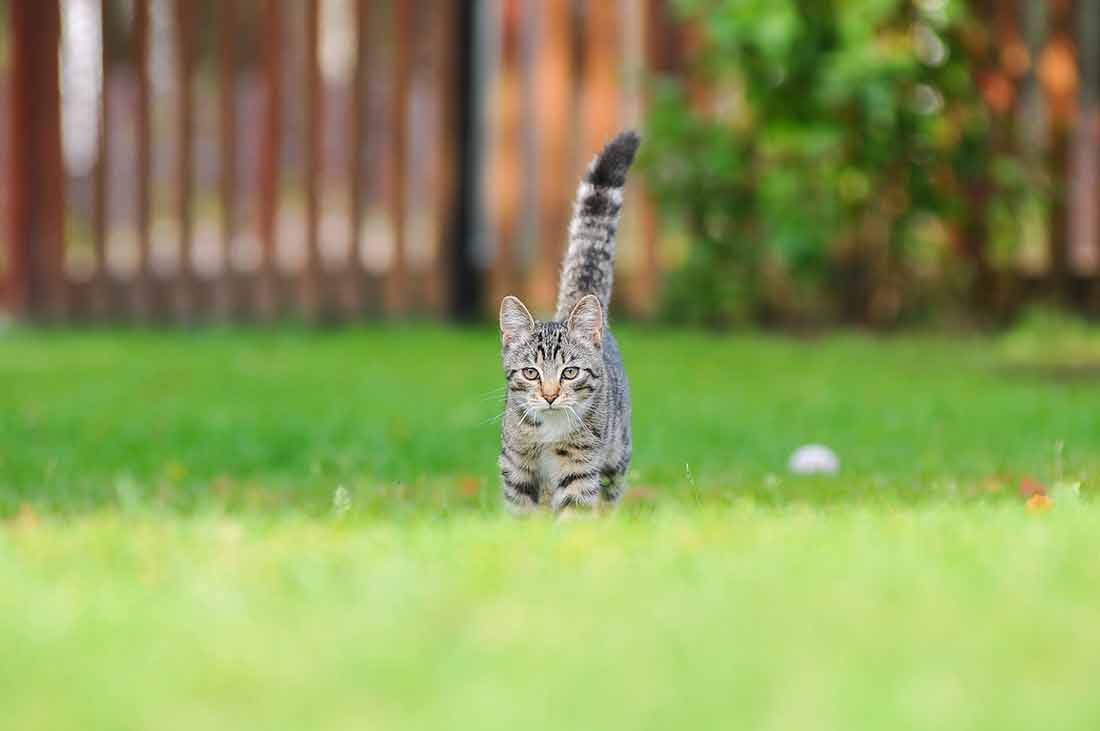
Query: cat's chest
(555, 426)
(553, 461)
(553, 434)
(550, 467)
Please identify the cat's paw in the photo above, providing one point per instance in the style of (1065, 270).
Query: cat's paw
(521, 509)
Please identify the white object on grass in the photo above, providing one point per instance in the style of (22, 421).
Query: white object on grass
(813, 459)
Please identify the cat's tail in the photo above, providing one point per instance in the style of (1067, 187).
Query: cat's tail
(588, 264)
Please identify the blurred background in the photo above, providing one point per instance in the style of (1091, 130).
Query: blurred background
(805, 163)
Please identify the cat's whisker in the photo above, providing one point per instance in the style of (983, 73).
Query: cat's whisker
(572, 415)
(526, 411)
(492, 419)
(580, 421)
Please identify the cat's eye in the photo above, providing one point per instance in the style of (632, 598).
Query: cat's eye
(531, 374)
(568, 374)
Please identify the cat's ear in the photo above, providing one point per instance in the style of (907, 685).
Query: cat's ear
(515, 320)
(586, 320)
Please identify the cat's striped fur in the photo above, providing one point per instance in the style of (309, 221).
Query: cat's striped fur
(565, 432)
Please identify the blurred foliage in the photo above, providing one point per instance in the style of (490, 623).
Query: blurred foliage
(821, 156)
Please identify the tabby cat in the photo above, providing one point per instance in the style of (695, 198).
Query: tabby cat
(565, 432)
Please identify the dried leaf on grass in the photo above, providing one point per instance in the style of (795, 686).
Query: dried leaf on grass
(1038, 503)
(1030, 487)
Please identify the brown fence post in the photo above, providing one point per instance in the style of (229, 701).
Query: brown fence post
(601, 76)
(505, 179)
(1031, 122)
(269, 153)
(656, 59)
(601, 96)
(140, 51)
(1084, 201)
(36, 204)
(358, 143)
(227, 121)
(553, 75)
(101, 213)
(397, 161)
(185, 141)
(693, 44)
(309, 294)
(1058, 78)
(439, 285)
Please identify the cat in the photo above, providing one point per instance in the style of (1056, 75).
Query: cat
(565, 432)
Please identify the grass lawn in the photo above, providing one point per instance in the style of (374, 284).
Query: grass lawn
(290, 530)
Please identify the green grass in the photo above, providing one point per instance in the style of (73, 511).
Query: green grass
(170, 556)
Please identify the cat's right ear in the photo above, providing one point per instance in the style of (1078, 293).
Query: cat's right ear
(515, 320)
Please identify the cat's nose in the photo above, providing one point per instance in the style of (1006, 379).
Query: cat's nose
(550, 397)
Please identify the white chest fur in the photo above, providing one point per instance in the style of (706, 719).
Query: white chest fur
(557, 425)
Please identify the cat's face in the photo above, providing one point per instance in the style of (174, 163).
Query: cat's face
(552, 366)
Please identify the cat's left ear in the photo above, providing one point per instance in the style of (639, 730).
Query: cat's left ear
(586, 320)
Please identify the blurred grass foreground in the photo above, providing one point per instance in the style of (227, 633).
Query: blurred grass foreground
(295, 529)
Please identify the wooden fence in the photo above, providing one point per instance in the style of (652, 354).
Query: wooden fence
(237, 171)
(196, 160)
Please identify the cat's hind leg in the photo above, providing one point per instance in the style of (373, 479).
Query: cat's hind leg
(612, 487)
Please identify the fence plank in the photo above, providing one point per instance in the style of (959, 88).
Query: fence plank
(185, 143)
(52, 161)
(227, 136)
(554, 102)
(140, 51)
(308, 295)
(1085, 185)
(444, 53)
(505, 180)
(693, 45)
(1057, 74)
(36, 203)
(602, 101)
(358, 144)
(270, 154)
(19, 193)
(656, 59)
(397, 167)
(1032, 128)
(601, 67)
(100, 213)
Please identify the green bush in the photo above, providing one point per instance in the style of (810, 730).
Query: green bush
(825, 176)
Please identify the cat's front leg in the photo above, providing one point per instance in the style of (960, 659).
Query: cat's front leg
(519, 485)
(576, 492)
